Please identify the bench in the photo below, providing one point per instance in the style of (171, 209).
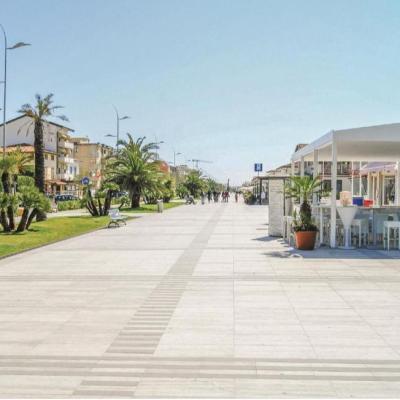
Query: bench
(115, 217)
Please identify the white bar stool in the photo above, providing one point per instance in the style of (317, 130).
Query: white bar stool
(387, 226)
(360, 225)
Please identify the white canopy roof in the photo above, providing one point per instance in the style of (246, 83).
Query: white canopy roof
(371, 143)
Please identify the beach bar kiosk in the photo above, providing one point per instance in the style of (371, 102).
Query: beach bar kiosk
(374, 153)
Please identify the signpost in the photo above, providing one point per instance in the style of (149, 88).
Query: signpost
(85, 181)
(258, 167)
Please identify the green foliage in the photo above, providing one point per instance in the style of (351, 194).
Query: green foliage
(195, 183)
(249, 197)
(135, 169)
(213, 186)
(168, 189)
(69, 205)
(182, 191)
(31, 200)
(302, 188)
(38, 112)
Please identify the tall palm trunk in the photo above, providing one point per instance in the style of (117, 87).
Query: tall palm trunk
(135, 200)
(5, 180)
(3, 221)
(31, 217)
(23, 221)
(39, 163)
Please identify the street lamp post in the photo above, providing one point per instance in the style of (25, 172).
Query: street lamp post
(176, 154)
(157, 144)
(6, 48)
(119, 119)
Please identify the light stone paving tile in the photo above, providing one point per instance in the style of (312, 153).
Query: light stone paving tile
(244, 298)
(186, 388)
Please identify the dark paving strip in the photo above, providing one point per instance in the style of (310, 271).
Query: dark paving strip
(103, 393)
(109, 383)
(106, 357)
(201, 375)
(174, 284)
(151, 365)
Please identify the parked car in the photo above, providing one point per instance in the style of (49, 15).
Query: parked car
(64, 197)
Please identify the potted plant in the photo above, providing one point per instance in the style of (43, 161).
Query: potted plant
(302, 188)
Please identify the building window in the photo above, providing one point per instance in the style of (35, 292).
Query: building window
(52, 157)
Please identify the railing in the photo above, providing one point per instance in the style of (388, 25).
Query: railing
(67, 145)
(66, 159)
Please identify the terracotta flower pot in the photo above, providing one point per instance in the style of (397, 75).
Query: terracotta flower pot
(305, 240)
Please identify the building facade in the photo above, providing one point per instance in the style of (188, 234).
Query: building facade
(61, 168)
(91, 158)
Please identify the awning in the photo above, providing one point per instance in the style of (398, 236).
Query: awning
(378, 167)
(371, 143)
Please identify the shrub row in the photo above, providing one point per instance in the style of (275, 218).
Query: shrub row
(69, 205)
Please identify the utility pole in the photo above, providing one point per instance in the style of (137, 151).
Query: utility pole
(6, 48)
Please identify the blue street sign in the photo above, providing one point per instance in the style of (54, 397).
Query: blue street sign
(85, 181)
(258, 167)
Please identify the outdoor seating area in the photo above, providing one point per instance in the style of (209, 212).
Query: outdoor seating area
(368, 213)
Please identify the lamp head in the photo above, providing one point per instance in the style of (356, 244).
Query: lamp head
(18, 45)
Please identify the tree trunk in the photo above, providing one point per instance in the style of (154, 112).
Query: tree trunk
(5, 181)
(135, 200)
(100, 207)
(91, 206)
(39, 164)
(23, 221)
(31, 217)
(107, 202)
(10, 215)
(3, 221)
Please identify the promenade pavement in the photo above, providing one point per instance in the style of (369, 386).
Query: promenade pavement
(198, 302)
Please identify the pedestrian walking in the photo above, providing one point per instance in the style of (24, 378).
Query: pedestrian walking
(203, 198)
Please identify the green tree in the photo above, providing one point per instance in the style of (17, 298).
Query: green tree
(195, 183)
(31, 200)
(182, 190)
(13, 164)
(43, 108)
(301, 189)
(134, 168)
(99, 203)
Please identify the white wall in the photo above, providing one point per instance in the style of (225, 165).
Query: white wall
(275, 209)
(21, 131)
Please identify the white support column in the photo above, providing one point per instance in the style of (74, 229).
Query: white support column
(397, 184)
(333, 194)
(352, 178)
(369, 186)
(302, 166)
(359, 179)
(315, 171)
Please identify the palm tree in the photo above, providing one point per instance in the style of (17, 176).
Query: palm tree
(302, 188)
(15, 163)
(195, 183)
(134, 168)
(43, 108)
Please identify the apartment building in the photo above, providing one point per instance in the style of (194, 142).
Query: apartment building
(61, 168)
(91, 158)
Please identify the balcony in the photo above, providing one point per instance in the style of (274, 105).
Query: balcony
(66, 159)
(66, 145)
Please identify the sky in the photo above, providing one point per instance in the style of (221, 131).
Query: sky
(233, 82)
